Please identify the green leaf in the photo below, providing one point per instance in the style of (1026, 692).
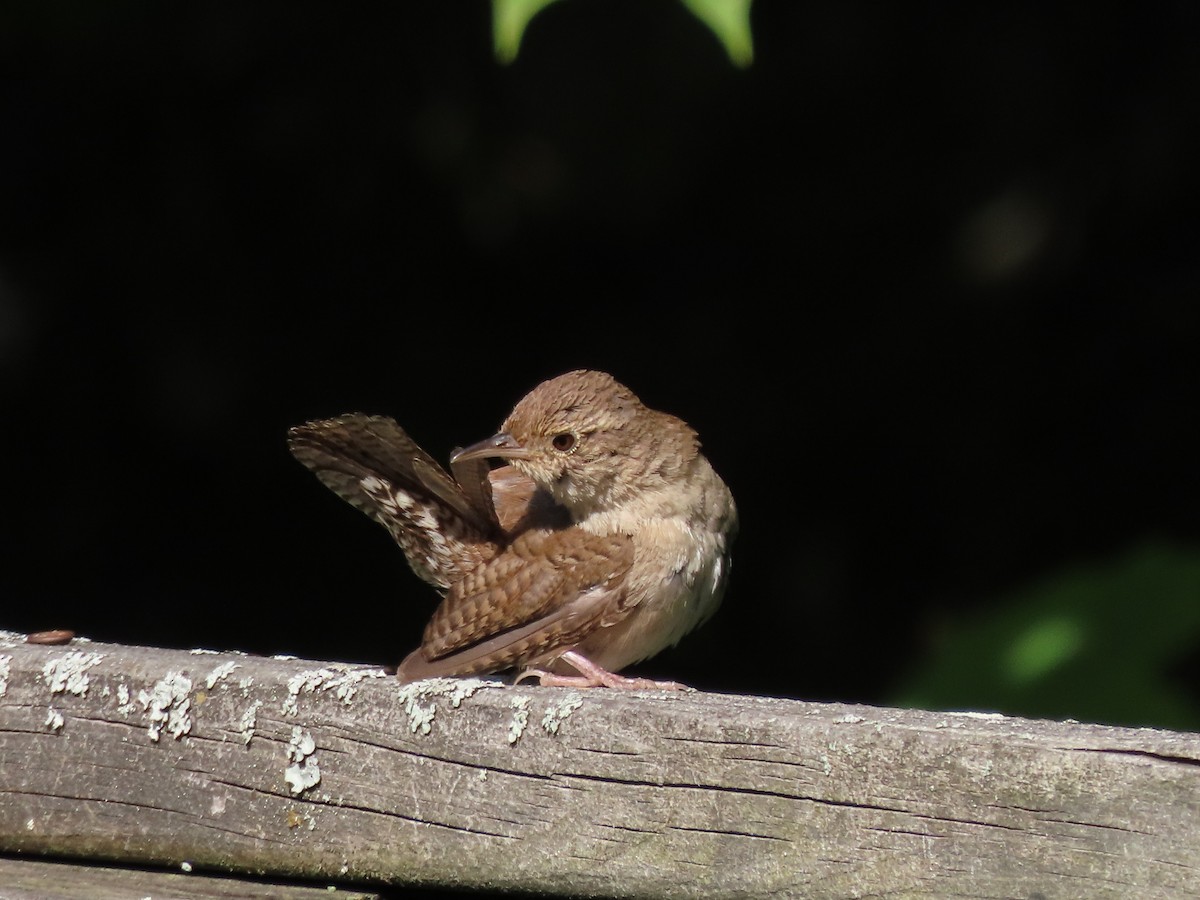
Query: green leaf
(509, 19)
(1048, 643)
(1093, 642)
(730, 22)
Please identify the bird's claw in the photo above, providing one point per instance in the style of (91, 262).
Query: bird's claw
(591, 675)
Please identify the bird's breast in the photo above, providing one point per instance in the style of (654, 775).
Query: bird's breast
(676, 582)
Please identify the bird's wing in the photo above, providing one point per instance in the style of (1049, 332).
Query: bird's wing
(521, 505)
(372, 464)
(472, 477)
(547, 591)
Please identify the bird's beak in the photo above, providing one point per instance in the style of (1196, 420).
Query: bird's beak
(499, 446)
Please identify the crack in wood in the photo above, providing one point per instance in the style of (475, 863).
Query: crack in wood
(724, 742)
(608, 751)
(823, 801)
(883, 829)
(1144, 754)
(1093, 825)
(416, 820)
(423, 754)
(726, 832)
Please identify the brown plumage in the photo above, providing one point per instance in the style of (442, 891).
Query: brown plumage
(605, 539)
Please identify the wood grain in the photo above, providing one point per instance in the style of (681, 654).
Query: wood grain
(27, 879)
(333, 772)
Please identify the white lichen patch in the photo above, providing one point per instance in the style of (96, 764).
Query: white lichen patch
(54, 719)
(218, 673)
(557, 713)
(520, 718)
(420, 717)
(124, 701)
(169, 706)
(200, 651)
(849, 719)
(5, 671)
(10, 638)
(70, 672)
(973, 714)
(343, 681)
(249, 722)
(303, 772)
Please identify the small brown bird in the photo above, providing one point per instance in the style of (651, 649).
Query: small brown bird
(604, 540)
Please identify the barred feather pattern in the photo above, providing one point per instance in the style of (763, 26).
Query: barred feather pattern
(439, 545)
(371, 463)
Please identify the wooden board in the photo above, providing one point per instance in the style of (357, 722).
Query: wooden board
(334, 772)
(27, 879)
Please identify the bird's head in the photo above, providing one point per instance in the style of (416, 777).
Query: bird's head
(589, 441)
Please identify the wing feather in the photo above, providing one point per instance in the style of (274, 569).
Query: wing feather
(372, 464)
(542, 595)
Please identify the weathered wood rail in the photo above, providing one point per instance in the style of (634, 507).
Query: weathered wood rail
(336, 773)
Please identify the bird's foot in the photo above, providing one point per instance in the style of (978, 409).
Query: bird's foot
(591, 675)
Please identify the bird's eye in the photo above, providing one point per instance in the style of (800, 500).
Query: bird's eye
(564, 443)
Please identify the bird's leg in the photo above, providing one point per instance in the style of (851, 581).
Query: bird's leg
(591, 675)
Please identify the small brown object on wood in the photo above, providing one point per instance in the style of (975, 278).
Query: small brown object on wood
(58, 636)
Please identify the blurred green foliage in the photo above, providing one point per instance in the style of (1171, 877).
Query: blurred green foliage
(1094, 642)
(509, 19)
(729, 20)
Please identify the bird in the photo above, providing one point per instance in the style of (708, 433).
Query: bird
(601, 537)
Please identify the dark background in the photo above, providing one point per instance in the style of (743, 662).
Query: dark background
(924, 278)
